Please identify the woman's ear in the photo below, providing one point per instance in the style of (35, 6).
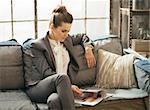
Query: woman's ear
(51, 26)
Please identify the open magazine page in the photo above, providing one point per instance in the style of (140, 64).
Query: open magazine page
(91, 97)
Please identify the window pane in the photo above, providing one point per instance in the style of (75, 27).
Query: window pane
(5, 31)
(23, 31)
(98, 8)
(45, 7)
(97, 28)
(75, 7)
(23, 9)
(5, 10)
(42, 28)
(77, 27)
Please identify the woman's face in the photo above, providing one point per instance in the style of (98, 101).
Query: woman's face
(61, 32)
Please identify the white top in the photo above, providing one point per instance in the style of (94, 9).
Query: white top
(61, 56)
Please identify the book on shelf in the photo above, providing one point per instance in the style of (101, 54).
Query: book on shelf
(91, 96)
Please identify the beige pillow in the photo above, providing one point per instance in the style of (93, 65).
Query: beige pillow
(115, 71)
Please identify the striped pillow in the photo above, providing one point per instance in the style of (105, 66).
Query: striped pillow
(115, 71)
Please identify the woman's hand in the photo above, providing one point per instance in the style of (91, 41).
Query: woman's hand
(76, 90)
(90, 58)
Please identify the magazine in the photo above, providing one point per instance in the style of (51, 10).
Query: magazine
(91, 96)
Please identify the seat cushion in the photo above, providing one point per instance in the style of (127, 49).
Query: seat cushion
(15, 100)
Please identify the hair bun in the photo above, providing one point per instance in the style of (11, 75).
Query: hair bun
(60, 9)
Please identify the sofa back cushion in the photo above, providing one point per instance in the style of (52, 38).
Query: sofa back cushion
(11, 65)
(111, 44)
(85, 75)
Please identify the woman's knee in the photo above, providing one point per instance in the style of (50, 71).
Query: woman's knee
(54, 102)
(64, 76)
(63, 79)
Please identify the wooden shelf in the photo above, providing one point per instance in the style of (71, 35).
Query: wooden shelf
(141, 46)
(129, 21)
(140, 12)
(126, 11)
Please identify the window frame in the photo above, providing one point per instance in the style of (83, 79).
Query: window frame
(35, 20)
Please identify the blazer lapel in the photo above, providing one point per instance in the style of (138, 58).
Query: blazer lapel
(45, 47)
(49, 53)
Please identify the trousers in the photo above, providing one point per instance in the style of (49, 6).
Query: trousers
(54, 90)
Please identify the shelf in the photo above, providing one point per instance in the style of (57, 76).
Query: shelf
(130, 20)
(140, 45)
(126, 11)
(140, 12)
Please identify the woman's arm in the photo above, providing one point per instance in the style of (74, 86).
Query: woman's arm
(86, 43)
(76, 90)
(90, 58)
(81, 39)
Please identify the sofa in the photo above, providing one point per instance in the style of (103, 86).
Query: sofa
(12, 88)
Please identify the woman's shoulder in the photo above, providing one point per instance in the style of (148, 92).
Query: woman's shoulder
(40, 43)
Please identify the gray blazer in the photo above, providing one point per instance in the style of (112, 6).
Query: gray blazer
(39, 61)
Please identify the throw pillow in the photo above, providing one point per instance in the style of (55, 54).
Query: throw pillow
(115, 71)
(142, 73)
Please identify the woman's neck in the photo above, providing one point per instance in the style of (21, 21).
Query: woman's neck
(51, 36)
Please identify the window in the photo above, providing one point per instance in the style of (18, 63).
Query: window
(22, 19)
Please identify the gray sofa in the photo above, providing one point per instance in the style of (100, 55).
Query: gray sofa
(13, 97)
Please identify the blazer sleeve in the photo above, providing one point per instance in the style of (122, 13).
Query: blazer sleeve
(81, 39)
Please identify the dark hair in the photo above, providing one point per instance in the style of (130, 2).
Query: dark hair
(59, 15)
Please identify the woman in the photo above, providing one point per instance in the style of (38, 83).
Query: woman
(46, 63)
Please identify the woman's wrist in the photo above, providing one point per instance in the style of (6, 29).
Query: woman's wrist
(88, 47)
